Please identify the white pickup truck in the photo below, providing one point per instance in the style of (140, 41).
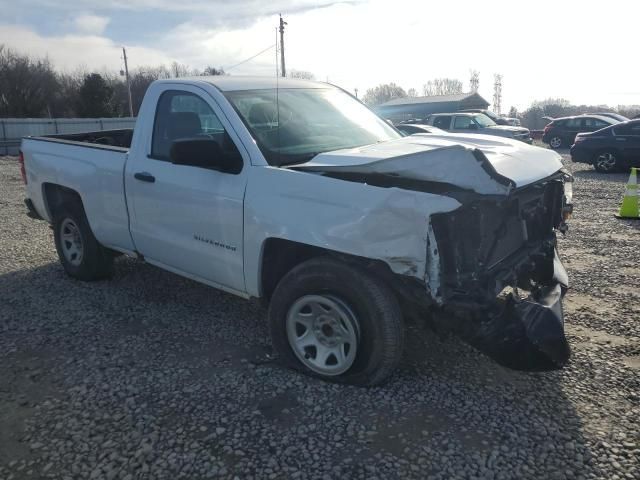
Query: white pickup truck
(296, 193)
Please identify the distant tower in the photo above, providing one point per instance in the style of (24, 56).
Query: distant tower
(497, 93)
(474, 81)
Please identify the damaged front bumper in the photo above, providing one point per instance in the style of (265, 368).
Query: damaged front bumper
(526, 333)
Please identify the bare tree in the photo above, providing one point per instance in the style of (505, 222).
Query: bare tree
(412, 92)
(180, 70)
(442, 86)
(303, 74)
(212, 71)
(27, 85)
(383, 93)
(629, 111)
(141, 79)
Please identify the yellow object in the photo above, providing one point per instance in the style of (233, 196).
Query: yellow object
(629, 207)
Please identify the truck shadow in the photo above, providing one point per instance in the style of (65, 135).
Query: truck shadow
(168, 339)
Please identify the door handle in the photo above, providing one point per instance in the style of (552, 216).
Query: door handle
(144, 177)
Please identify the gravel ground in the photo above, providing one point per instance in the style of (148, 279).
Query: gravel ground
(149, 375)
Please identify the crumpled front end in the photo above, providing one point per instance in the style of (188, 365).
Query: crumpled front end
(496, 232)
(500, 282)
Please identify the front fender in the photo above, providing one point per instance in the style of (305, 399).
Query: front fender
(386, 224)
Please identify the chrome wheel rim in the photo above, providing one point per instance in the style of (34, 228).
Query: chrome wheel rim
(606, 161)
(323, 332)
(556, 142)
(71, 242)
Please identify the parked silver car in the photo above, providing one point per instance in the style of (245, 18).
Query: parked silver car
(477, 123)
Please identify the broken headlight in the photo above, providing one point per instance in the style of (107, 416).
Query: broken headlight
(568, 190)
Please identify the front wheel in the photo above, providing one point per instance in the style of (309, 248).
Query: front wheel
(336, 321)
(606, 162)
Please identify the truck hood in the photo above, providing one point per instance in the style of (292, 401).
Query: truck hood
(483, 163)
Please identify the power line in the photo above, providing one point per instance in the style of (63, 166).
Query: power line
(226, 69)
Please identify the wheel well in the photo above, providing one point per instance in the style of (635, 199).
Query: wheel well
(56, 195)
(280, 256)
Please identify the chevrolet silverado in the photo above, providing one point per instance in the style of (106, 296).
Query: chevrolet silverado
(295, 193)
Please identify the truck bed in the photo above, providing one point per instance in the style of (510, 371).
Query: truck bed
(121, 139)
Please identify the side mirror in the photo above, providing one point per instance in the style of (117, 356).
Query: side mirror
(204, 153)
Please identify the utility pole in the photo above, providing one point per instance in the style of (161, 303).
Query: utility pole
(282, 24)
(356, 92)
(126, 72)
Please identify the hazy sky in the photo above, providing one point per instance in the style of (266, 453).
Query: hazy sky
(579, 50)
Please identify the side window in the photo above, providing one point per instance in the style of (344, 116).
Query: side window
(573, 123)
(627, 129)
(183, 115)
(462, 123)
(442, 122)
(595, 123)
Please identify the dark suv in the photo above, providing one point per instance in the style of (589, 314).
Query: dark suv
(561, 132)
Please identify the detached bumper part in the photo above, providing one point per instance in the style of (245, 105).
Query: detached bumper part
(528, 334)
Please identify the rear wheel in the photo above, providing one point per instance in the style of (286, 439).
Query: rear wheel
(336, 321)
(555, 142)
(606, 161)
(80, 253)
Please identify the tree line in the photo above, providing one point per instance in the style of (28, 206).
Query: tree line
(535, 117)
(31, 87)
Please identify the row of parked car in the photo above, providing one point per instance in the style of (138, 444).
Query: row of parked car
(608, 141)
(468, 121)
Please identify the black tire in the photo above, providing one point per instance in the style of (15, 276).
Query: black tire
(556, 141)
(96, 261)
(376, 308)
(607, 161)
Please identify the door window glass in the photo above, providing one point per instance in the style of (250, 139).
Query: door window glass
(573, 123)
(595, 123)
(462, 123)
(183, 115)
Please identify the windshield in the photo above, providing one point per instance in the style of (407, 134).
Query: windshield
(308, 121)
(484, 121)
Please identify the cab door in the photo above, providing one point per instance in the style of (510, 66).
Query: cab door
(185, 218)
